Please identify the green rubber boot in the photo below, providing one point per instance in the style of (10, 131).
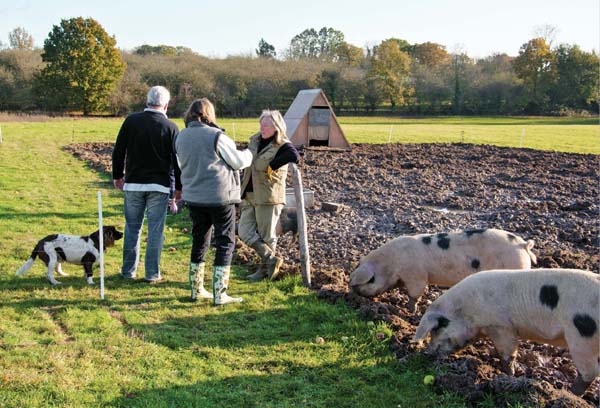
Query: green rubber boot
(196, 277)
(220, 283)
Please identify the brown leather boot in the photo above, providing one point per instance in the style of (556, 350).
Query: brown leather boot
(273, 266)
(272, 263)
(259, 274)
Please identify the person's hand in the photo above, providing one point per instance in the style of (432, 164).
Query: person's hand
(119, 183)
(173, 206)
(173, 202)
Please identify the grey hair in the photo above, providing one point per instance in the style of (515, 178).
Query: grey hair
(158, 96)
(278, 123)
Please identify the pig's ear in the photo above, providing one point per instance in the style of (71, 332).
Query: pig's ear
(429, 322)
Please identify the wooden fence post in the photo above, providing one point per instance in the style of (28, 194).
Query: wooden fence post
(302, 229)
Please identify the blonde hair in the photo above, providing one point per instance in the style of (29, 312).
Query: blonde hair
(200, 109)
(278, 123)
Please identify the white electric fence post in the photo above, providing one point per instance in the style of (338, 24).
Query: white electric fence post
(390, 135)
(234, 132)
(101, 249)
(522, 137)
(0, 133)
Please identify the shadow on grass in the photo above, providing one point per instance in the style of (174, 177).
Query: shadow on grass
(295, 316)
(299, 319)
(300, 386)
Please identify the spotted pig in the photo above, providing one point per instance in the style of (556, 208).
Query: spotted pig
(552, 306)
(415, 261)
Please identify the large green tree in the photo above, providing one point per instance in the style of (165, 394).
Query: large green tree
(535, 66)
(390, 69)
(83, 66)
(577, 73)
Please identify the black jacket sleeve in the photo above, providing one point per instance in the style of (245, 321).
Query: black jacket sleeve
(119, 152)
(286, 154)
(176, 175)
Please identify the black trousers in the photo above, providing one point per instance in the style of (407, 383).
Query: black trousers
(223, 220)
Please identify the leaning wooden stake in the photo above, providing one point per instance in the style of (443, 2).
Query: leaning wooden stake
(302, 234)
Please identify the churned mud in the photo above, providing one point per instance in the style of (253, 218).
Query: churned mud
(397, 189)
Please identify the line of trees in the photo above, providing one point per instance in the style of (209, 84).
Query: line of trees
(80, 69)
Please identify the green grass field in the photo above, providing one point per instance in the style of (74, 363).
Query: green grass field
(147, 346)
(574, 135)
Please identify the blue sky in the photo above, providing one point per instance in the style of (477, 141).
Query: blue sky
(230, 27)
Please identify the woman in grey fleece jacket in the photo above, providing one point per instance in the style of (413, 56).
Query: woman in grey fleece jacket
(210, 164)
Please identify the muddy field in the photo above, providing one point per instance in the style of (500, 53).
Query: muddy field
(391, 190)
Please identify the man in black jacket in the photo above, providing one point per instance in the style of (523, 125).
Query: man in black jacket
(144, 166)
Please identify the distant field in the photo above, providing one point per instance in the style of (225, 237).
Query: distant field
(574, 135)
(577, 135)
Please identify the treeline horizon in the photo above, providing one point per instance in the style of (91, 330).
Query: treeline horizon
(391, 78)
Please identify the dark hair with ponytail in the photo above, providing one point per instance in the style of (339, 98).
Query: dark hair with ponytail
(201, 110)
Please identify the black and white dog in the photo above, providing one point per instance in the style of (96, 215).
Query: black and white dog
(57, 248)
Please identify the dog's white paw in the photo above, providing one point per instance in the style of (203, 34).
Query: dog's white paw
(90, 281)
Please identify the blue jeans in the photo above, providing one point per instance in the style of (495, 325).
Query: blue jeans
(154, 204)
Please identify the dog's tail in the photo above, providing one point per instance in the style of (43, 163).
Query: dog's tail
(27, 265)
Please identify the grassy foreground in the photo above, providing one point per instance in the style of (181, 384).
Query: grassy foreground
(147, 346)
